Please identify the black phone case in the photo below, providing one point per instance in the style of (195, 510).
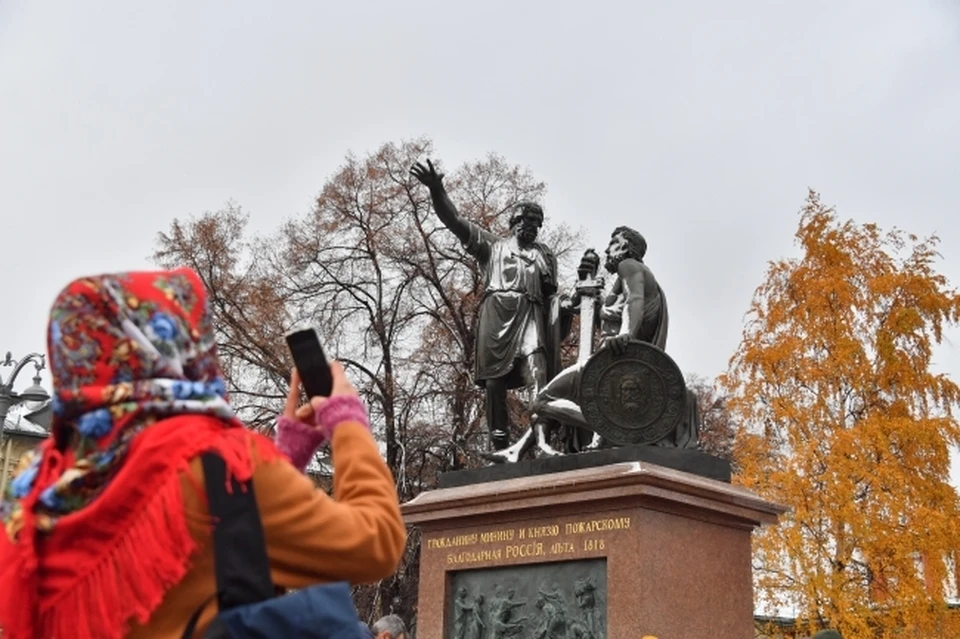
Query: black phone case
(311, 363)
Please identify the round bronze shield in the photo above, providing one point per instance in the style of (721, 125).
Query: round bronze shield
(636, 397)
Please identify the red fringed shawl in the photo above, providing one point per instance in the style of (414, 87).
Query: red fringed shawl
(96, 531)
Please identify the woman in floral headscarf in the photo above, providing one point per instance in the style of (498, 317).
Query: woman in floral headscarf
(107, 535)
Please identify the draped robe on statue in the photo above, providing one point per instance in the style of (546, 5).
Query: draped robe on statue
(519, 284)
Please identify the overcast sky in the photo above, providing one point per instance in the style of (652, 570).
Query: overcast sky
(699, 123)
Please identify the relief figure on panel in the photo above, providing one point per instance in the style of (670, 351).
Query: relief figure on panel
(552, 623)
(504, 614)
(555, 600)
(468, 615)
(589, 624)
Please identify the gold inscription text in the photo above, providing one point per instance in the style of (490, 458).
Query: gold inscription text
(525, 550)
(542, 531)
(494, 536)
(473, 556)
(469, 548)
(593, 544)
(597, 525)
(562, 548)
(452, 542)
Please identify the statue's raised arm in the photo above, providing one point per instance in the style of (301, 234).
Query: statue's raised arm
(516, 344)
(444, 207)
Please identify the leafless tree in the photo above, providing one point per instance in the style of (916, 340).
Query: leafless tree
(392, 292)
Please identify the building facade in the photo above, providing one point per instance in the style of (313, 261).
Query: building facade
(26, 426)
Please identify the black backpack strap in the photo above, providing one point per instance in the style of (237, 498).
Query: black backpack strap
(239, 547)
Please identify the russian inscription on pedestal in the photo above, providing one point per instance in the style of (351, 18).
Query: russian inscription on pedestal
(553, 600)
(520, 543)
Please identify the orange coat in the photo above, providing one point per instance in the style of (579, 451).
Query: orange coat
(357, 536)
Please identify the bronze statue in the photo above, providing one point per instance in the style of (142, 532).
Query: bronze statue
(517, 341)
(615, 384)
(628, 392)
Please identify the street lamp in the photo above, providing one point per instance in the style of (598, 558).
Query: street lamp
(33, 393)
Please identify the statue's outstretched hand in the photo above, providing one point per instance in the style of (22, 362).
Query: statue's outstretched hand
(427, 175)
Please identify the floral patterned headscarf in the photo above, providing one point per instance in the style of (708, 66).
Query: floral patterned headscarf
(127, 353)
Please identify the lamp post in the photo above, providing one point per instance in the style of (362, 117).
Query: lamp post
(34, 393)
(8, 398)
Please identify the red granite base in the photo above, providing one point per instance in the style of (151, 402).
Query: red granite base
(676, 547)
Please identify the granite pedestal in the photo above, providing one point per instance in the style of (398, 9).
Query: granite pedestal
(613, 551)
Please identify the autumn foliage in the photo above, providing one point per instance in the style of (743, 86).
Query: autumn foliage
(843, 418)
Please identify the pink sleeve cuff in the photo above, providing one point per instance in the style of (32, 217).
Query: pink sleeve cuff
(340, 409)
(298, 441)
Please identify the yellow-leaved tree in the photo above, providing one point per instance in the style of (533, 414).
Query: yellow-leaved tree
(842, 419)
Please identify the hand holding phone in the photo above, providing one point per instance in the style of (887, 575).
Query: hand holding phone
(320, 377)
(311, 362)
(305, 413)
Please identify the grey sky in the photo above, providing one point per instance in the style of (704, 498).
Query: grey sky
(699, 123)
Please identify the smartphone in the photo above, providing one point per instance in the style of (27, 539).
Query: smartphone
(311, 362)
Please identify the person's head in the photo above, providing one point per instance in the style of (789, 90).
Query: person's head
(526, 221)
(390, 627)
(142, 341)
(125, 351)
(624, 243)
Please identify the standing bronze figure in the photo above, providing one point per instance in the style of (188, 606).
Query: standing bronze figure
(517, 339)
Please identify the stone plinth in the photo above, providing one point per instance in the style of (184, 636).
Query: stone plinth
(628, 549)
